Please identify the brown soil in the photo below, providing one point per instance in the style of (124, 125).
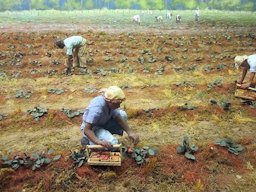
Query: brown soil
(155, 91)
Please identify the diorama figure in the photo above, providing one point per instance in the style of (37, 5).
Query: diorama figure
(197, 14)
(178, 18)
(75, 46)
(103, 118)
(246, 63)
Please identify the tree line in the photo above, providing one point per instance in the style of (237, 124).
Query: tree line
(243, 5)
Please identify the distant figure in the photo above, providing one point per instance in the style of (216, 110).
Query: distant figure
(136, 19)
(178, 18)
(168, 15)
(197, 14)
(159, 18)
(246, 63)
(150, 12)
(75, 46)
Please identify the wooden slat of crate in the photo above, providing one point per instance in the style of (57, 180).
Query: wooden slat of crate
(104, 163)
(100, 146)
(246, 94)
(117, 162)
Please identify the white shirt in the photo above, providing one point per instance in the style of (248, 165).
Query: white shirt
(72, 42)
(136, 18)
(197, 12)
(251, 60)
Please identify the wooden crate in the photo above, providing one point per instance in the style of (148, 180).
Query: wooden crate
(248, 94)
(97, 155)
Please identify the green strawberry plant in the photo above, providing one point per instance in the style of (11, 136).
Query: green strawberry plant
(230, 145)
(78, 157)
(140, 155)
(36, 161)
(186, 149)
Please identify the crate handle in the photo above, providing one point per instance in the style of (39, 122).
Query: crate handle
(101, 147)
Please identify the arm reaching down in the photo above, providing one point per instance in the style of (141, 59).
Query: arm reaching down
(246, 85)
(244, 72)
(134, 137)
(90, 134)
(69, 61)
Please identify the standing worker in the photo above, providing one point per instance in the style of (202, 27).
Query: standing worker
(247, 63)
(75, 46)
(197, 14)
(136, 19)
(103, 118)
(178, 18)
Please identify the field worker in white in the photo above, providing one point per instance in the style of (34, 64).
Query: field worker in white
(178, 18)
(197, 14)
(136, 19)
(168, 15)
(159, 18)
(75, 46)
(103, 118)
(247, 63)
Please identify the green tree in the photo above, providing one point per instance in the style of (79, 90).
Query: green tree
(121, 4)
(89, 4)
(52, 4)
(230, 4)
(38, 4)
(73, 4)
(185, 4)
(144, 4)
(215, 4)
(151, 4)
(9, 5)
(250, 5)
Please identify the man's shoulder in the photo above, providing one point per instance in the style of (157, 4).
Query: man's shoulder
(73, 39)
(98, 101)
(251, 58)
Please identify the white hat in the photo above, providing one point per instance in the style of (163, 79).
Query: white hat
(114, 94)
(239, 60)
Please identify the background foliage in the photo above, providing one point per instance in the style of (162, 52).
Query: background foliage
(245, 5)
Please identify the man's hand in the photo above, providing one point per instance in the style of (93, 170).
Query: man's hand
(105, 144)
(238, 83)
(245, 85)
(134, 137)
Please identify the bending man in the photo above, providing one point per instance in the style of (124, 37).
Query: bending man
(103, 118)
(247, 63)
(75, 49)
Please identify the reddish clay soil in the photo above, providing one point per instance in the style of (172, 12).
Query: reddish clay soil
(195, 57)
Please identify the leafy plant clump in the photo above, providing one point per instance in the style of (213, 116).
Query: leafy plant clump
(140, 155)
(2, 116)
(186, 149)
(223, 104)
(90, 90)
(215, 83)
(23, 94)
(78, 157)
(185, 84)
(36, 161)
(169, 58)
(56, 91)
(188, 106)
(72, 113)
(252, 104)
(230, 145)
(37, 112)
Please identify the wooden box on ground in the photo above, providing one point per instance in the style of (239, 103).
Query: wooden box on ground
(249, 94)
(98, 155)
